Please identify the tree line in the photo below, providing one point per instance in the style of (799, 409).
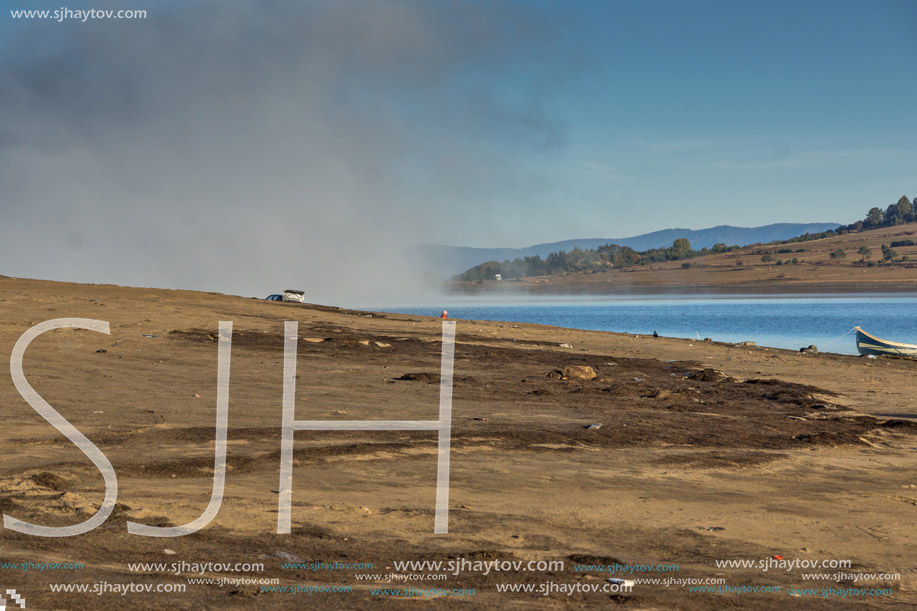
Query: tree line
(902, 212)
(603, 258)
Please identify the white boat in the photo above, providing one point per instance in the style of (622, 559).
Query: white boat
(871, 345)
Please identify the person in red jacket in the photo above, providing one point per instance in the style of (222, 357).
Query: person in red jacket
(445, 314)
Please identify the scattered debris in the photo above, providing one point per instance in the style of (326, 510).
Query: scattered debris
(196, 395)
(168, 552)
(315, 340)
(429, 378)
(382, 345)
(745, 344)
(564, 345)
(49, 480)
(482, 419)
(578, 372)
(711, 528)
(145, 335)
(869, 443)
(101, 351)
(809, 350)
(594, 426)
(707, 375)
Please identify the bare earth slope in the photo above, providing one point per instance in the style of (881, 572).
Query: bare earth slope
(774, 457)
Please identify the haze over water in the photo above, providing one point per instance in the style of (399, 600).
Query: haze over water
(780, 322)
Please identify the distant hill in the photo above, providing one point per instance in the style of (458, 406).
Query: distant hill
(449, 260)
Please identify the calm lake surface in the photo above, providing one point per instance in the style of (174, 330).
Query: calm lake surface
(780, 322)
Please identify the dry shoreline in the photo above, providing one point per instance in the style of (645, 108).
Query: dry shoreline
(775, 457)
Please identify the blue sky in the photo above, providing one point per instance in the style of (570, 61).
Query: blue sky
(726, 112)
(211, 130)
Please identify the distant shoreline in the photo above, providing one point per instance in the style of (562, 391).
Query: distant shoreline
(519, 289)
(852, 263)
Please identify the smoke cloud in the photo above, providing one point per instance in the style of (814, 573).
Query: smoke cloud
(248, 147)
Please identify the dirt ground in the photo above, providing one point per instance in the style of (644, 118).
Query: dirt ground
(706, 453)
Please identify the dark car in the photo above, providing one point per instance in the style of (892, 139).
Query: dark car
(274, 298)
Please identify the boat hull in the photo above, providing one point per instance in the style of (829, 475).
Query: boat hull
(871, 345)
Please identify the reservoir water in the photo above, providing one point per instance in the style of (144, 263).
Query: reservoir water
(779, 322)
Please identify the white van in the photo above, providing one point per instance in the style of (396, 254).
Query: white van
(295, 296)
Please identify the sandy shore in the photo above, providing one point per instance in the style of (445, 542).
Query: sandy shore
(707, 452)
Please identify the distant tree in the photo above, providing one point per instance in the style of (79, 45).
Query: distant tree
(874, 217)
(681, 248)
(719, 247)
(555, 261)
(839, 254)
(864, 252)
(795, 261)
(905, 209)
(891, 216)
(767, 258)
(888, 253)
(619, 256)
